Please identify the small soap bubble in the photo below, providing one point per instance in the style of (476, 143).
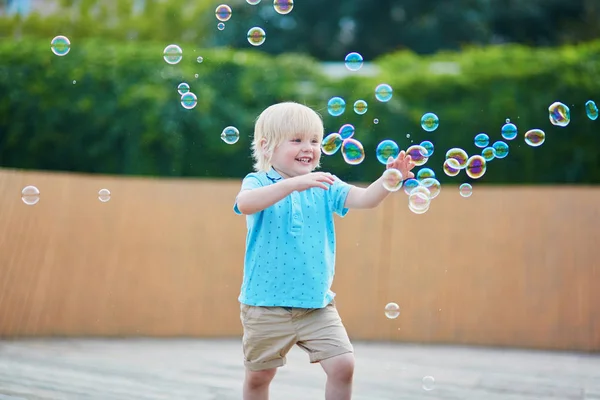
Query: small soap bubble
(353, 61)
(407, 135)
(392, 179)
(189, 100)
(230, 135)
(347, 131)
(416, 154)
(482, 140)
(60, 45)
(501, 149)
(476, 167)
(451, 167)
(433, 185)
(221, 26)
(223, 12)
(336, 106)
(375, 121)
(419, 200)
(386, 149)
(104, 195)
(410, 184)
(253, 2)
(591, 110)
(559, 114)
(360, 107)
(509, 131)
(353, 151)
(200, 59)
(183, 88)
(383, 92)
(465, 190)
(428, 383)
(172, 54)
(196, 76)
(507, 120)
(30, 195)
(428, 146)
(392, 310)
(489, 153)
(74, 82)
(459, 155)
(283, 6)
(430, 122)
(425, 173)
(256, 36)
(535, 137)
(332, 143)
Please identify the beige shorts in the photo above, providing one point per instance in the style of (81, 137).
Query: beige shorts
(270, 332)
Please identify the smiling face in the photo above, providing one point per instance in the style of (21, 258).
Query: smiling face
(299, 155)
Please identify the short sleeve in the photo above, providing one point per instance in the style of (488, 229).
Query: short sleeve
(339, 192)
(251, 181)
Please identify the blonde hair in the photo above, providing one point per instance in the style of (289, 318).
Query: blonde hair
(278, 123)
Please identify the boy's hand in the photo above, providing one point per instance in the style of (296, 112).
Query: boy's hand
(402, 163)
(314, 179)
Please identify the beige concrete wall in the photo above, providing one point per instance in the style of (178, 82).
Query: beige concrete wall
(509, 266)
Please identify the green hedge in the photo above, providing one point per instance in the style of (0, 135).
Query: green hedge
(123, 114)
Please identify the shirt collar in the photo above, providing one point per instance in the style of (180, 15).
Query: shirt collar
(273, 175)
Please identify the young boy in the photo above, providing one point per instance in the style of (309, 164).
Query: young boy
(290, 250)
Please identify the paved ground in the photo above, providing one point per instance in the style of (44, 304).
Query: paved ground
(212, 369)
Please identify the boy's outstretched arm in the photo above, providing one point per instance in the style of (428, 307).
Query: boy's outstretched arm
(255, 200)
(375, 193)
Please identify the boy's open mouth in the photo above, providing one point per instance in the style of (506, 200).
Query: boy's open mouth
(304, 160)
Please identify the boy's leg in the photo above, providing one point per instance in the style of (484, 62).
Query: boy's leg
(323, 336)
(256, 384)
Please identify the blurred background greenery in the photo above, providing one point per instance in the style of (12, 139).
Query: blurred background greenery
(111, 105)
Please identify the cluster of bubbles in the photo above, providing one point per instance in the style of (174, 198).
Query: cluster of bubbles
(256, 35)
(30, 195)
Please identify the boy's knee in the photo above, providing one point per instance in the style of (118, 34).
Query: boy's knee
(257, 379)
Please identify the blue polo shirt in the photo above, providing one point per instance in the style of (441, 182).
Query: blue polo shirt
(290, 246)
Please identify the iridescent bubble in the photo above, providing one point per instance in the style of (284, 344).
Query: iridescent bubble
(353, 151)
(591, 110)
(336, 106)
(535, 137)
(353, 61)
(559, 114)
(416, 154)
(30, 195)
(451, 167)
(360, 107)
(428, 146)
(383, 92)
(501, 149)
(459, 155)
(223, 12)
(425, 173)
(189, 100)
(488, 154)
(60, 45)
(392, 311)
(256, 36)
(375, 121)
(392, 179)
(172, 54)
(347, 131)
(104, 195)
(183, 88)
(476, 167)
(331, 143)
(482, 140)
(386, 149)
(465, 190)
(509, 131)
(428, 383)
(200, 59)
(253, 2)
(433, 185)
(195, 75)
(230, 135)
(430, 122)
(283, 6)
(419, 200)
(220, 26)
(410, 185)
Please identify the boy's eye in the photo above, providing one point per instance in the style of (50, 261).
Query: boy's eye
(296, 140)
